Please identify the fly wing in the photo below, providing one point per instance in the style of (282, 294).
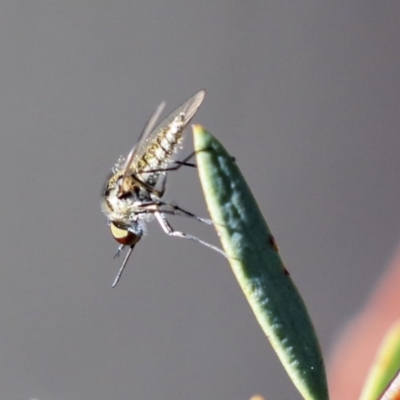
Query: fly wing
(148, 128)
(187, 109)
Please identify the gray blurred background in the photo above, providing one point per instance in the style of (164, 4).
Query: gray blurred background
(305, 95)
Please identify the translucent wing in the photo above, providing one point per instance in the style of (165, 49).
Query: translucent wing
(145, 133)
(187, 109)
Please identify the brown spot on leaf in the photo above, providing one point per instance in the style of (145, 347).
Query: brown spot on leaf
(273, 244)
(285, 271)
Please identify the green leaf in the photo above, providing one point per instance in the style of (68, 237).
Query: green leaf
(392, 392)
(255, 261)
(385, 366)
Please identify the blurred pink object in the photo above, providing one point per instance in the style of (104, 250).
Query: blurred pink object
(356, 349)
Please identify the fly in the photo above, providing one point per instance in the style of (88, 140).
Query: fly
(133, 194)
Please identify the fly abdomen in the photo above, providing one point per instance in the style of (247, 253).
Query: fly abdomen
(159, 153)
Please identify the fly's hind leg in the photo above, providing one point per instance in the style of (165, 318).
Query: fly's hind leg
(183, 163)
(167, 228)
(179, 164)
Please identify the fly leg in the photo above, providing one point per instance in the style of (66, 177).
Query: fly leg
(163, 179)
(176, 210)
(167, 208)
(167, 228)
(121, 270)
(183, 163)
(118, 252)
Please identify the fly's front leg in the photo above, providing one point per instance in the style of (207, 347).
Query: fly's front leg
(118, 252)
(121, 270)
(167, 228)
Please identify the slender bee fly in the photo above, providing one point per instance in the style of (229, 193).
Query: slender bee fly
(133, 194)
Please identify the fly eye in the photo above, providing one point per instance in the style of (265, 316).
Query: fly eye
(123, 236)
